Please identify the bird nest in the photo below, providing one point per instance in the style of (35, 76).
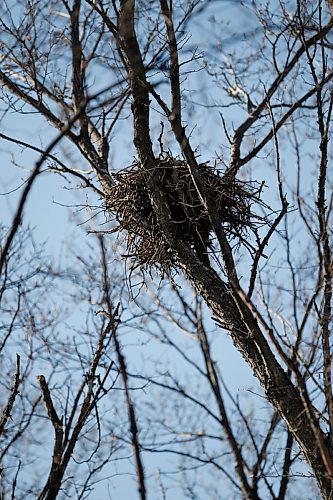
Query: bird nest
(146, 242)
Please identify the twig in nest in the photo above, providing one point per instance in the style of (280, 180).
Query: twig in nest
(146, 241)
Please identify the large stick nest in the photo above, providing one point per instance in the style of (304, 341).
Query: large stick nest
(146, 243)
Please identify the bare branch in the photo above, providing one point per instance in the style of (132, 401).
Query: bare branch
(6, 413)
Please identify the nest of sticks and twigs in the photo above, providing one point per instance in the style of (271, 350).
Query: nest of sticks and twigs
(146, 243)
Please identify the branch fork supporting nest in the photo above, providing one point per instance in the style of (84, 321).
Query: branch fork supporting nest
(129, 200)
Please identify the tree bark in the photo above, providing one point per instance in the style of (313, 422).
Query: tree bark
(251, 343)
(220, 297)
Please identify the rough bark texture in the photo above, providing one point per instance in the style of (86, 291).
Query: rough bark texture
(251, 343)
(224, 303)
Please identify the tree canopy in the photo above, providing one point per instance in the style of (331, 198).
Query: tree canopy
(194, 138)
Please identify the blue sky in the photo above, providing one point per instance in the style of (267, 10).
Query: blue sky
(55, 210)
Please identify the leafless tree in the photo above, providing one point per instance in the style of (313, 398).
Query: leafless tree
(226, 197)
